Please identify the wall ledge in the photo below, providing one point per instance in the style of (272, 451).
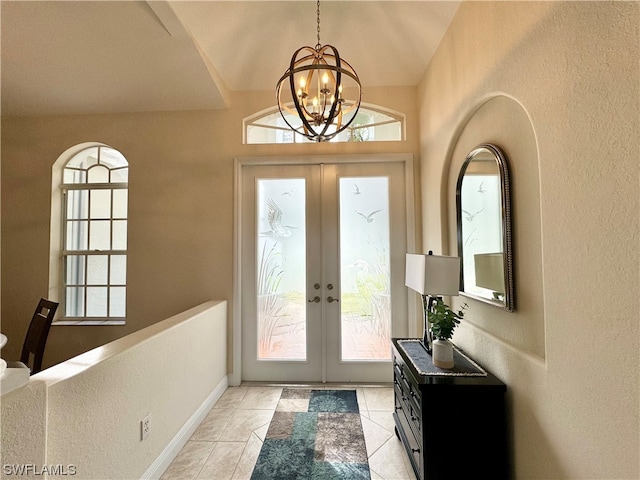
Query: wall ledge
(84, 361)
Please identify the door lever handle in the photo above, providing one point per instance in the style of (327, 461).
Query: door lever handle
(330, 299)
(315, 299)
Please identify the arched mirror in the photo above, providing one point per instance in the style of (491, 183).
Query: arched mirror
(483, 207)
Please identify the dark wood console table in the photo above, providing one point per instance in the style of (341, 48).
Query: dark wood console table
(451, 422)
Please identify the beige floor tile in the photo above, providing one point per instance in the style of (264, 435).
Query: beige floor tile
(387, 461)
(232, 397)
(375, 476)
(362, 401)
(213, 425)
(379, 399)
(248, 459)
(261, 398)
(243, 423)
(261, 432)
(189, 461)
(374, 435)
(222, 461)
(384, 419)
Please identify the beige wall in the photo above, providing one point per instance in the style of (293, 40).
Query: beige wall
(556, 86)
(180, 207)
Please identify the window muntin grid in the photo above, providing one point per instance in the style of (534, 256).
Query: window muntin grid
(94, 244)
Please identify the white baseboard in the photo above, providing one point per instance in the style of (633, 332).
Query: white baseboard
(158, 467)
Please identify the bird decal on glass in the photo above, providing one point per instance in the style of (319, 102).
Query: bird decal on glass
(471, 216)
(274, 217)
(368, 218)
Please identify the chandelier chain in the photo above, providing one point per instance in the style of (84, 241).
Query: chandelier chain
(318, 27)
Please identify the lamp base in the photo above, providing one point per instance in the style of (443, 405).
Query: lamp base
(427, 340)
(427, 336)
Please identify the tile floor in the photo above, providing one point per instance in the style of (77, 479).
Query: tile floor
(227, 442)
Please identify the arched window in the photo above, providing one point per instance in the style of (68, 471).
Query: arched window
(94, 204)
(372, 124)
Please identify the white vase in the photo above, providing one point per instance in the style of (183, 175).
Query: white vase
(442, 353)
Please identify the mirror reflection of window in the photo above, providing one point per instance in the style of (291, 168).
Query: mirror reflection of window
(481, 225)
(484, 225)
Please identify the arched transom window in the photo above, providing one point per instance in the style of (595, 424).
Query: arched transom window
(372, 124)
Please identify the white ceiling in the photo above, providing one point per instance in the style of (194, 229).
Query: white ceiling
(84, 57)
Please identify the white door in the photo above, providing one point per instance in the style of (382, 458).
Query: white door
(322, 271)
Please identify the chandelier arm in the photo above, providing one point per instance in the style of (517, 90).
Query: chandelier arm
(332, 111)
(282, 106)
(301, 109)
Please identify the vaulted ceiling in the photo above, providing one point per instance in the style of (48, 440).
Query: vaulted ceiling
(85, 57)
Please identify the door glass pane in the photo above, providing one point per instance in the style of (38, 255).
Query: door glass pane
(281, 269)
(364, 268)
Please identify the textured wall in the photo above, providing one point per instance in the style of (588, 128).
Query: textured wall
(24, 427)
(563, 82)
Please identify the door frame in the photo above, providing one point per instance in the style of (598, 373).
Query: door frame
(406, 159)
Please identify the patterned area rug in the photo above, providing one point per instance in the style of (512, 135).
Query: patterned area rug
(314, 434)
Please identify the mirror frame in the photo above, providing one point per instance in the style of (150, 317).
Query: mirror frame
(501, 161)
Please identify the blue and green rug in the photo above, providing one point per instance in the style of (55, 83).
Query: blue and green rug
(314, 434)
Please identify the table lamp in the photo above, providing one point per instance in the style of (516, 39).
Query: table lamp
(431, 276)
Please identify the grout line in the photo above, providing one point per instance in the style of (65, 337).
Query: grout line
(246, 444)
(206, 460)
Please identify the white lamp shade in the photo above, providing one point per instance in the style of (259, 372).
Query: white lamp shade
(432, 274)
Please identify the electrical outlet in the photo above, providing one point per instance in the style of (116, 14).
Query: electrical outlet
(145, 427)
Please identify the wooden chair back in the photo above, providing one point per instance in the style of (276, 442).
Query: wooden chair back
(36, 337)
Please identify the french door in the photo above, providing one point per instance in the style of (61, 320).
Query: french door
(322, 273)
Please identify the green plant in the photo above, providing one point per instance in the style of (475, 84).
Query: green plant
(443, 320)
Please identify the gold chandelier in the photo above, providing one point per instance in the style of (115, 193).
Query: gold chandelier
(318, 81)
